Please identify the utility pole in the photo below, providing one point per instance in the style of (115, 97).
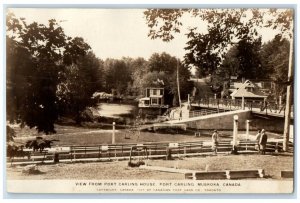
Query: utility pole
(179, 99)
(287, 116)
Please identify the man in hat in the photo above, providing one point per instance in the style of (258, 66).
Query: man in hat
(263, 141)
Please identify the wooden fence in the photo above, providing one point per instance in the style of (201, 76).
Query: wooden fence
(154, 150)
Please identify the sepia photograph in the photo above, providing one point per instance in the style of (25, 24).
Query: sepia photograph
(150, 100)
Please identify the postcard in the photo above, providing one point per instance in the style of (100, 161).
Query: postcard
(150, 100)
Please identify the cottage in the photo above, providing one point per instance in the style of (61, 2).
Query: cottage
(154, 97)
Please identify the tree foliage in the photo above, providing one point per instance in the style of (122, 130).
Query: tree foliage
(225, 27)
(82, 79)
(34, 103)
(117, 76)
(243, 60)
(274, 56)
(163, 73)
(38, 57)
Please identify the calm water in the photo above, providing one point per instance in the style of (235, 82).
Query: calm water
(117, 110)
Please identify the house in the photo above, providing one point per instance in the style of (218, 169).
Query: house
(154, 98)
(249, 91)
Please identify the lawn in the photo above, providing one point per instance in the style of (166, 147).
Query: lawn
(80, 135)
(120, 170)
(74, 135)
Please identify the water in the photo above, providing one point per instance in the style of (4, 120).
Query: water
(117, 110)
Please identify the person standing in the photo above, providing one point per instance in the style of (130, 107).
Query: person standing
(257, 138)
(215, 139)
(263, 141)
(180, 114)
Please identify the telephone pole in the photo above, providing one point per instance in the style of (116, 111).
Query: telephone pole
(179, 99)
(289, 90)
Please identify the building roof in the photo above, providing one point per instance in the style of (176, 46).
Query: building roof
(155, 88)
(144, 99)
(243, 92)
(101, 95)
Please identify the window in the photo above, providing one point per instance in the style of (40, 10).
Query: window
(154, 101)
(154, 91)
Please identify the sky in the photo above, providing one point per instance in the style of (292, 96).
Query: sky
(115, 33)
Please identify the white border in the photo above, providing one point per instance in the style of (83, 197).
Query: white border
(147, 3)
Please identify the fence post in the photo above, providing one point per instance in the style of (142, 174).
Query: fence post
(235, 134)
(280, 101)
(56, 157)
(247, 133)
(247, 128)
(71, 151)
(243, 103)
(113, 141)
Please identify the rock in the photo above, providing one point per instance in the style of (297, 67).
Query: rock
(31, 169)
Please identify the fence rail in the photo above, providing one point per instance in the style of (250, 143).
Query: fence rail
(154, 150)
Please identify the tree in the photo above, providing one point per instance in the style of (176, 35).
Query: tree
(36, 61)
(39, 46)
(242, 60)
(162, 62)
(225, 27)
(82, 79)
(275, 59)
(163, 67)
(138, 67)
(117, 76)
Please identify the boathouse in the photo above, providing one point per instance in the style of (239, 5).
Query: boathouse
(249, 91)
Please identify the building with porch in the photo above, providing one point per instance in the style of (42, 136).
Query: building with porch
(154, 97)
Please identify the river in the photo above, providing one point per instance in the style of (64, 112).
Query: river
(112, 110)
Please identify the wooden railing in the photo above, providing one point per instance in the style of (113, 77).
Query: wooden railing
(267, 107)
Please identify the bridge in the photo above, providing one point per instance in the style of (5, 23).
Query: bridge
(269, 109)
(218, 114)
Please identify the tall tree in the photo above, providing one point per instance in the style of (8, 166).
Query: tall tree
(275, 59)
(82, 79)
(117, 76)
(40, 45)
(35, 67)
(138, 67)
